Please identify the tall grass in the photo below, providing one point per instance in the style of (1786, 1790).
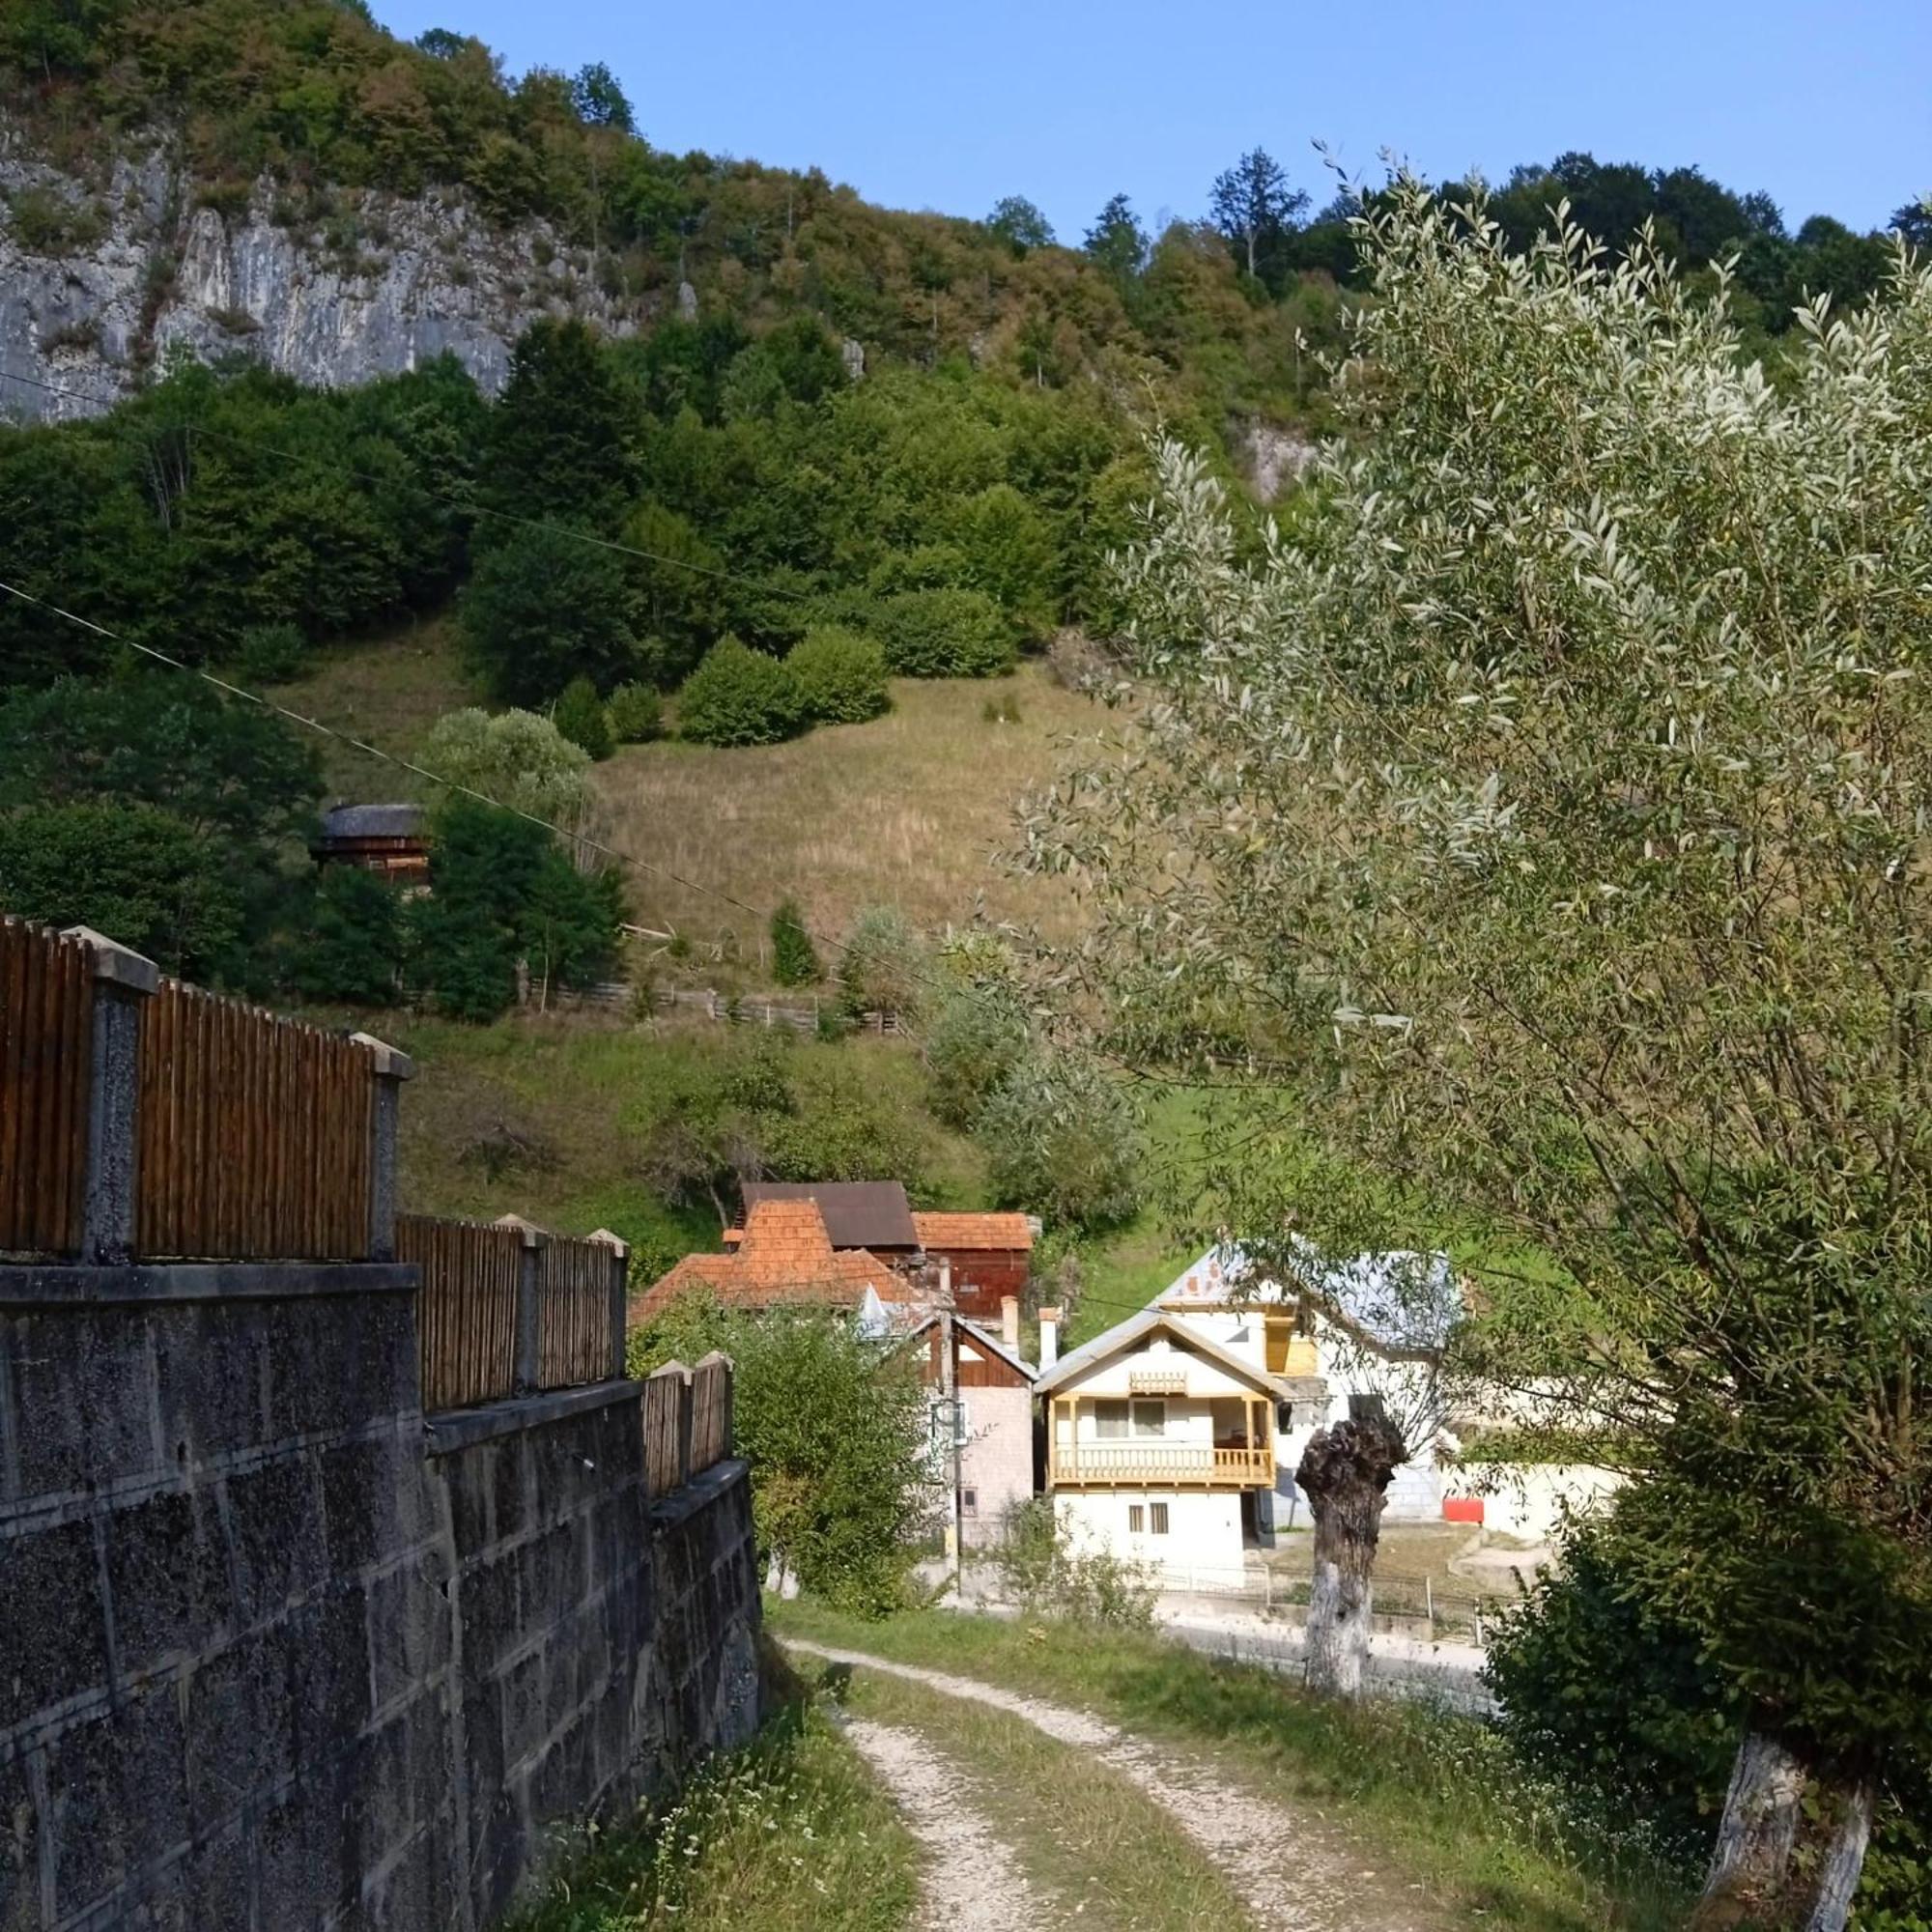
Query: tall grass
(790, 1835)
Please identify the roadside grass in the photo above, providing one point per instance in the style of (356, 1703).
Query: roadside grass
(1086, 1838)
(790, 1835)
(1436, 1792)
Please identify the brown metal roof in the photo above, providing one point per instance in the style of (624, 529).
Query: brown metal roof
(870, 1214)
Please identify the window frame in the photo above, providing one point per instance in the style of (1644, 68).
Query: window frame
(1157, 1520)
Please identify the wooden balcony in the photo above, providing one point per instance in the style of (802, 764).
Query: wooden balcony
(1159, 1466)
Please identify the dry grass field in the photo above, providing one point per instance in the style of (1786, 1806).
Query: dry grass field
(909, 809)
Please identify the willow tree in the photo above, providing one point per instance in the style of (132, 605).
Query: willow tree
(1545, 819)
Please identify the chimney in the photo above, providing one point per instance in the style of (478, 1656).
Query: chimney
(1049, 1337)
(945, 1281)
(1009, 1321)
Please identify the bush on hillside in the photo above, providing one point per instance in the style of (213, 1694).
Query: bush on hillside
(1063, 1143)
(794, 957)
(740, 697)
(945, 633)
(352, 950)
(635, 713)
(271, 653)
(517, 758)
(842, 674)
(579, 715)
(883, 965)
(1043, 1573)
(972, 1043)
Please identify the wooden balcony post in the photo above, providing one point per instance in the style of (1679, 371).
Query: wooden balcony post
(123, 981)
(390, 1070)
(621, 1294)
(529, 1373)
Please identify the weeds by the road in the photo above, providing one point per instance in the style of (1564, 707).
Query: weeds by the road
(1435, 1792)
(790, 1835)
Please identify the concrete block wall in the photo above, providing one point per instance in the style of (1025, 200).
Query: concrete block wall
(275, 1655)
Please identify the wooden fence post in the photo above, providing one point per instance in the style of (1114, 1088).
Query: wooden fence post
(123, 980)
(684, 1429)
(529, 1305)
(620, 1294)
(390, 1070)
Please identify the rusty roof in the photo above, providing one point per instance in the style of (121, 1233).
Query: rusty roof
(946, 1231)
(784, 1257)
(858, 1213)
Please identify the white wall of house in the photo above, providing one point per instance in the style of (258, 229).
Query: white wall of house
(1530, 1502)
(1203, 1532)
(996, 1459)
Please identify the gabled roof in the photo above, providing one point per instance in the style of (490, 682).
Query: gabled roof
(1136, 1329)
(858, 1213)
(981, 1339)
(786, 1259)
(970, 1232)
(373, 821)
(1401, 1303)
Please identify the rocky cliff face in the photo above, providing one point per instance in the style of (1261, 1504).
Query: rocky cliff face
(99, 286)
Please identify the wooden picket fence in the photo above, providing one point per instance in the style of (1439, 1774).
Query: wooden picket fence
(46, 1034)
(467, 1311)
(573, 1334)
(688, 1424)
(256, 1136)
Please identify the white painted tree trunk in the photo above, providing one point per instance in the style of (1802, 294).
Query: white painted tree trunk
(1339, 1606)
(1751, 1880)
(1344, 1474)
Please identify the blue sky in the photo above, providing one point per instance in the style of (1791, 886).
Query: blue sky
(1829, 108)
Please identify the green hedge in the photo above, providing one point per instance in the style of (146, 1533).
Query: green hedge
(741, 696)
(946, 634)
(842, 674)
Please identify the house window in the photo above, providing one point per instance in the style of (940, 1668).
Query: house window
(1149, 1418)
(1136, 1518)
(1110, 1421)
(969, 1502)
(1158, 1511)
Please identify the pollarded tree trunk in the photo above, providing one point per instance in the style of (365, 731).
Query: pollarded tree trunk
(1790, 1845)
(1344, 1474)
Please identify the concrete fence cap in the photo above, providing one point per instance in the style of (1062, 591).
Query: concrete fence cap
(717, 1357)
(671, 1369)
(611, 1240)
(533, 1236)
(391, 1064)
(120, 965)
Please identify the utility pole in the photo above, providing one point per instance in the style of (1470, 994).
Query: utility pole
(949, 1410)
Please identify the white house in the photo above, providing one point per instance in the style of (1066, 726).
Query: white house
(1160, 1441)
(1390, 1313)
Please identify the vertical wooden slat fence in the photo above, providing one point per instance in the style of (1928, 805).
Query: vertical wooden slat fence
(256, 1134)
(46, 1036)
(710, 1413)
(467, 1311)
(573, 1334)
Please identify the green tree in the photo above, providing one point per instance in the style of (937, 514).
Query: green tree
(352, 945)
(1556, 859)
(580, 717)
(740, 697)
(515, 758)
(636, 713)
(563, 436)
(133, 871)
(1020, 224)
(600, 101)
(1117, 241)
(541, 608)
(1063, 1143)
(1254, 207)
(833, 1427)
(972, 1042)
(841, 673)
(883, 966)
(946, 633)
(794, 957)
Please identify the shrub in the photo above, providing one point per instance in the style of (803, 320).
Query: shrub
(972, 1042)
(635, 713)
(517, 758)
(1044, 1575)
(579, 715)
(1063, 1143)
(882, 965)
(842, 674)
(945, 633)
(1004, 709)
(794, 957)
(271, 653)
(542, 608)
(740, 697)
(352, 950)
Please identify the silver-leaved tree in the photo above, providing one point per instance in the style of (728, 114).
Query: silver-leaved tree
(1545, 820)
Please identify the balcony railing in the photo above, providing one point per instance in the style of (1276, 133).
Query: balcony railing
(1161, 1465)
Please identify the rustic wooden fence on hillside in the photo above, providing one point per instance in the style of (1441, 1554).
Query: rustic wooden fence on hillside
(142, 1119)
(47, 1032)
(688, 1422)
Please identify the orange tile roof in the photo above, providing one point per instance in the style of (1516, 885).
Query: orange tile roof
(972, 1231)
(783, 1257)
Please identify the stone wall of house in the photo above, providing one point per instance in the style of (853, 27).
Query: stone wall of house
(278, 1655)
